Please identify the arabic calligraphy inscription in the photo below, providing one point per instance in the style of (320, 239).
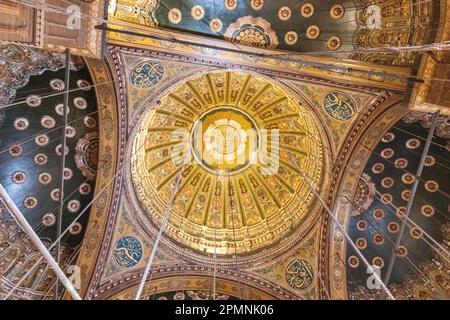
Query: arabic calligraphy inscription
(299, 274)
(339, 105)
(127, 252)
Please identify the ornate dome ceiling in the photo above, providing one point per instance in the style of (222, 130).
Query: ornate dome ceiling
(230, 196)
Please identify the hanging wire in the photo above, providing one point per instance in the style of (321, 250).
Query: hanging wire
(432, 239)
(424, 139)
(346, 268)
(306, 178)
(361, 113)
(165, 217)
(372, 151)
(71, 259)
(233, 211)
(436, 156)
(366, 183)
(403, 169)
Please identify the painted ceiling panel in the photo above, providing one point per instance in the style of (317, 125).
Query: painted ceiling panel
(283, 24)
(377, 218)
(30, 156)
(322, 27)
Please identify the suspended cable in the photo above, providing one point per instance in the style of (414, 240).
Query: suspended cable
(372, 151)
(419, 179)
(437, 157)
(405, 131)
(424, 139)
(336, 222)
(25, 226)
(413, 191)
(63, 162)
(165, 220)
(233, 211)
(343, 231)
(377, 191)
(40, 226)
(69, 262)
(307, 131)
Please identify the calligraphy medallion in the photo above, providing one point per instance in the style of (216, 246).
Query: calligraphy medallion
(339, 105)
(299, 274)
(146, 74)
(127, 252)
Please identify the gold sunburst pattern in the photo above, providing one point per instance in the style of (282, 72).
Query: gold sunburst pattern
(238, 206)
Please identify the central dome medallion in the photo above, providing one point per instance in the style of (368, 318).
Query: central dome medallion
(224, 140)
(236, 142)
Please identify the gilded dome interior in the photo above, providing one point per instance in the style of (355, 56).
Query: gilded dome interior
(227, 198)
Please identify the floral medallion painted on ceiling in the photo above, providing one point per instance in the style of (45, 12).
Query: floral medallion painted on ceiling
(230, 4)
(284, 13)
(337, 11)
(197, 12)
(253, 32)
(256, 4)
(291, 37)
(86, 156)
(175, 16)
(307, 10)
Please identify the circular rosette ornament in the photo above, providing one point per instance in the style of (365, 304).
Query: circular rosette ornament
(215, 25)
(284, 13)
(230, 4)
(307, 10)
(175, 16)
(197, 12)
